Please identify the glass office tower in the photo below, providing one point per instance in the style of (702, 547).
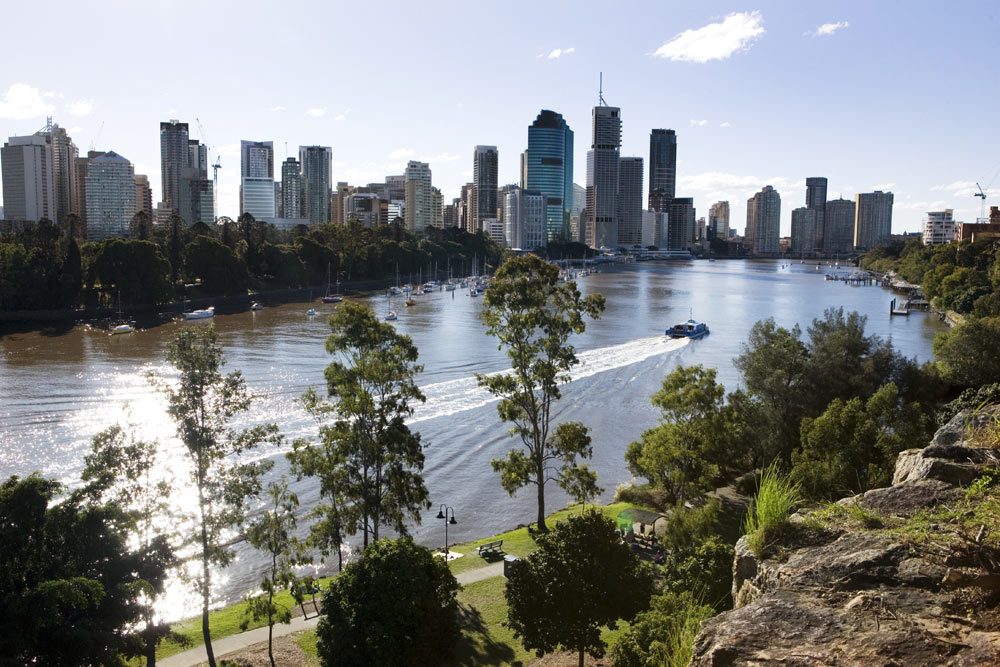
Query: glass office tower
(548, 168)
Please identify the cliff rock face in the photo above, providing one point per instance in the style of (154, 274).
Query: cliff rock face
(905, 577)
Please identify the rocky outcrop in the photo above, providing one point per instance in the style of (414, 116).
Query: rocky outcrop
(834, 591)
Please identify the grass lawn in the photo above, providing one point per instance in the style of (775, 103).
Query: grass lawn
(518, 542)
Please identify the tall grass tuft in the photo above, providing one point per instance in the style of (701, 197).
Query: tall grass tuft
(776, 497)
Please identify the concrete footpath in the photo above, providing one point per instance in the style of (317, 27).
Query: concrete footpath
(242, 640)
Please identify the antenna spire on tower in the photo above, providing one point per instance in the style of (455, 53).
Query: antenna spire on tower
(600, 93)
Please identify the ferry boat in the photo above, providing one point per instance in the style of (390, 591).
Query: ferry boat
(689, 329)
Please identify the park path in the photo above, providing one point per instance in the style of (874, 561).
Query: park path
(242, 640)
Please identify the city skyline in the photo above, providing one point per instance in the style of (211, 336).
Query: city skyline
(696, 70)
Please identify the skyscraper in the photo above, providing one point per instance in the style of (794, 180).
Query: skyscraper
(803, 231)
(143, 195)
(64, 151)
(292, 189)
(602, 177)
(838, 227)
(174, 156)
(763, 220)
(873, 219)
(680, 223)
(816, 201)
(28, 178)
(630, 201)
(257, 179)
(662, 167)
(940, 227)
(317, 162)
(547, 167)
(525, 219)
(110, 196)
(484, 183)
(437, 207)
(718, 219)
(419, 203)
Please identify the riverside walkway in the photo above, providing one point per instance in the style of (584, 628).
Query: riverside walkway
(238, 642)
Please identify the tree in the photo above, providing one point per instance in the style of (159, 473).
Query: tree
(135, 268)
(202, 403)
(686, 454)
(272, 532)
(532, 315)
(663, 635)
(140, 227)
(120, 471)
(69, 585)
(966, 355)
(220, 271)
(581, 578)
(369, 462)
(175, 246)
(394, 606)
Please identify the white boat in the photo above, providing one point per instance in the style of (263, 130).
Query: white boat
(311, 312)
(122, 329)
(689, 329)
(202, 314)
(407, 287)
(391, 316)
(256, 306)
(449, 287)
(331, 298)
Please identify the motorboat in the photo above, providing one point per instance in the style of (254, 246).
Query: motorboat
(391, 316)
(689, 329)
(123, 329)
(409, 301)
(311, 312)
(201, 314)
(256, 306)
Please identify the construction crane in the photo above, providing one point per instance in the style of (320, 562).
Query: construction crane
(982, 208)
(215, 172)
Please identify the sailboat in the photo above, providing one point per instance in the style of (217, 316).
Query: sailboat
(331, 298)
(390, 315)
(122, 327)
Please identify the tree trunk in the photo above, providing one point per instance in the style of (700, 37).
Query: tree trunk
(541, 506)
(205, 582)
(581, 658)
(270, 636)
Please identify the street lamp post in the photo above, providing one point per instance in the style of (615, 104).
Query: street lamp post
(444, 513)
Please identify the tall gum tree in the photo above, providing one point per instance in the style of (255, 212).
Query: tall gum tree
(532, 315)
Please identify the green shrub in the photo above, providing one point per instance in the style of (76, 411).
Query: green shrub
(663, 635)
(776, 497)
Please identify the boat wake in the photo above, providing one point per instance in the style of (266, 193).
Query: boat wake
(454, 396)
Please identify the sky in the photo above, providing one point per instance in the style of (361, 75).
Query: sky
(897, 95)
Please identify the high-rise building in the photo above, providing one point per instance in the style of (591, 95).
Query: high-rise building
(292, 189)
(763, 221)
(662, 167)
(465, 210)
(29, 192)
(64, 151)
(838, 227)
(803, 231)
(630, 201)
(547, 167)
(143, 195)
(603, 161)
(79, 192)
(317, 163)
(198, 158)
(718, 219)
(873, 219)
(816, 201)
(419, 197)
(525, 219)
(362, 207)
(110, 196)
(437, 208)
(484, 183)
(338, 198)
(680, 223)
(174, 156)
(940, 227)
(257, 179)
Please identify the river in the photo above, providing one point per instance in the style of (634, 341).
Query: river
(57, 391)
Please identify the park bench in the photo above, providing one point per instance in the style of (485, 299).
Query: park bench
(310, 591)
(491, 548)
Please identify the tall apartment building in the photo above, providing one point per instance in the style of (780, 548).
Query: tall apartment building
(662, 168)
(64, 151)
(110, 196)
(257, 179)
(525, 219)
(79, 191)
(940, 227)
(547, 167)
(603, 163)
(873, 219)
(419, 197)
(763, 221)
(174, 156)
(816, 201)
(317, 164)
(680, 223)
(143, 195)
(484, 184)
(630, 201)
(718, 219)
(838, 227)
(29, 192)
(292, 189)
(803, 231)
(437, 208)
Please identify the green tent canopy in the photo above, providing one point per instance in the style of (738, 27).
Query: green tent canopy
(632, 515)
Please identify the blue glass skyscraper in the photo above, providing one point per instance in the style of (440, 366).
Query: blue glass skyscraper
(548, 168)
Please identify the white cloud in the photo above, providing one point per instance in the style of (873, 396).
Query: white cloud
(317, 112)
(339, 116)
(699, 123)
(169, 112)
(937, 205)
(555, 53)
(883, 186)
(959, 188)
(76, 129)
(80, 108)
(22, 101)
(401, 153)
(829, 28)
(715, 41)
(277, 108)
(445, 157)
(229, 150)
(725, 123)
